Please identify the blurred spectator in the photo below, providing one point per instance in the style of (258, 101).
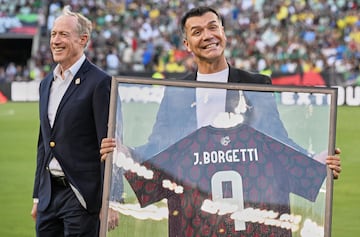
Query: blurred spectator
(10, 72)
(112, 62)
(2, 75)
(265, 36)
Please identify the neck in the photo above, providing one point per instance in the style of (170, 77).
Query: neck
(65, 65)
(208, 67)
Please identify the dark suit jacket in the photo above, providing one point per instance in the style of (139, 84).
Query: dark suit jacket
(80, 124)
(177, 117)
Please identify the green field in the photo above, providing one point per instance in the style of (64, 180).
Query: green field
(19, 128)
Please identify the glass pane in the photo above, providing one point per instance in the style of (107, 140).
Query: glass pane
(217, 161)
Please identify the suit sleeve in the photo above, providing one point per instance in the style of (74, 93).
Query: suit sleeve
(101, 102)
(39, 160)
(174, 120)
(155, 139)
(265, 117)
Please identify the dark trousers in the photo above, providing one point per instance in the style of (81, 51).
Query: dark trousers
(66, 217)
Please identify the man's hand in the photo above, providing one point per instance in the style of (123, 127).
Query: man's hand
(334, 163)
(107, 145)
(34, 211)
(113, 219)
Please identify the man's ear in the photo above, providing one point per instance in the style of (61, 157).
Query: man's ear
(186, 44)
(84, 39)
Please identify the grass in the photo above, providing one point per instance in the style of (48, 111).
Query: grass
(19, 128)
(346, 203)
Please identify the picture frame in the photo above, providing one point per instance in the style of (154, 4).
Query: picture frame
(298, 122)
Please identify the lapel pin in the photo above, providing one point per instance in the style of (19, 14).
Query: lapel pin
(77, 81)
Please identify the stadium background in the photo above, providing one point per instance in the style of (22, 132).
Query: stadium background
(312, 43)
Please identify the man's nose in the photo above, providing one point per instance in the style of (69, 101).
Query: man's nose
(55, 38)
(207, 34)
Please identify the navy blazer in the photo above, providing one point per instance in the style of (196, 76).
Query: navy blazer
(181, 121)
(75, 138)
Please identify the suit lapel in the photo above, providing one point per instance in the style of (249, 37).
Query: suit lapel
(234, 75)
(190, 98)
(232, 96)
(75, 84)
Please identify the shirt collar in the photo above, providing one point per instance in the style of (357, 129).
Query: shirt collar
(72, 70)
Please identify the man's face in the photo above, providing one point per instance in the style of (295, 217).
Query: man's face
(65, 42)
(205, 37)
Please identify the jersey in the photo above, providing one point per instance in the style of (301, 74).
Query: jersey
(216, 168)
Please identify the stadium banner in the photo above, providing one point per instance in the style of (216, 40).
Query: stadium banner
(348, 96)
(19, 25)
(219, 159)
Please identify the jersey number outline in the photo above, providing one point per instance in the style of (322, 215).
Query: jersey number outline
(234, 179)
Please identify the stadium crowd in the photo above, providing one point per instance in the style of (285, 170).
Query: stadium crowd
(277, 36)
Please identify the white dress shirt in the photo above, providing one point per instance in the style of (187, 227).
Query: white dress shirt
(209, 101)
(57, 91)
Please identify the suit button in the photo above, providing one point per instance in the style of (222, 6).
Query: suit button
(52, 144)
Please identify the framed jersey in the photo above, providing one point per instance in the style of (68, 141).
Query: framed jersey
(219, 159)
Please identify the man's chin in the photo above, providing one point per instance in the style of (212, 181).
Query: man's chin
(59, 61)
(58, 58)
(213, 55)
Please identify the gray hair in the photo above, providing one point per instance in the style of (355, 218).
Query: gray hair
(84, 25)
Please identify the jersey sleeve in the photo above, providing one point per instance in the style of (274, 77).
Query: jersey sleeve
(165, 167)
(305, 175)
(147, 190)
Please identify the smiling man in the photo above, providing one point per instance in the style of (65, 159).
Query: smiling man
(204, 37)
(74, 103)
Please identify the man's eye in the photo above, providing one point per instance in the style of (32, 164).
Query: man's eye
(62, 34)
